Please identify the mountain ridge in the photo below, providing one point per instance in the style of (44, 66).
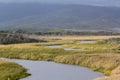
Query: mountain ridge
(58, 16)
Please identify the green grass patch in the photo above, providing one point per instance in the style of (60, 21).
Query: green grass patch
(12, 71)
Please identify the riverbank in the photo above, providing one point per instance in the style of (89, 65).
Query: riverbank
(44, 70)
(11, 71)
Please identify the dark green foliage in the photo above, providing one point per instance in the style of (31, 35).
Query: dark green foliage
(72, 32)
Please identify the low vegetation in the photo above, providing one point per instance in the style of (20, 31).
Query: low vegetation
(110, 41)
(93, 47)
(11, 71)
(99, 62)
(103, 57)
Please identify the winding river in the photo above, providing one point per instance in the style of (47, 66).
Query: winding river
(58, 46)
(43, 70)
(87, 41)
(69, 49)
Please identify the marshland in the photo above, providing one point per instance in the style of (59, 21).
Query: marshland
(99, 53)
(59, 40)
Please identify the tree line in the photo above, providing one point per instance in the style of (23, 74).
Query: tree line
(76, 33)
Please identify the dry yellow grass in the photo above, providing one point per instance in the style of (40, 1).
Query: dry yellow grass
(115, 75)
(116, 71)
(75, 37)
(99, 62)
(2, 61)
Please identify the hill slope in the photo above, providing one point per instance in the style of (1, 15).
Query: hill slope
(36, 16)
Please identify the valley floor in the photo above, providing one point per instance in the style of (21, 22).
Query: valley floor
(103, 57)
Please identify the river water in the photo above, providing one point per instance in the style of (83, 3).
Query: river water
(43, 70)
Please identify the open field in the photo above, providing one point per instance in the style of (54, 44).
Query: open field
(99, 57)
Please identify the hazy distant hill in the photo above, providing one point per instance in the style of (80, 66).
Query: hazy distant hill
(35, 16)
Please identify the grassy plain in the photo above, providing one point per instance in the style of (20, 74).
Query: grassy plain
(99, 57)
